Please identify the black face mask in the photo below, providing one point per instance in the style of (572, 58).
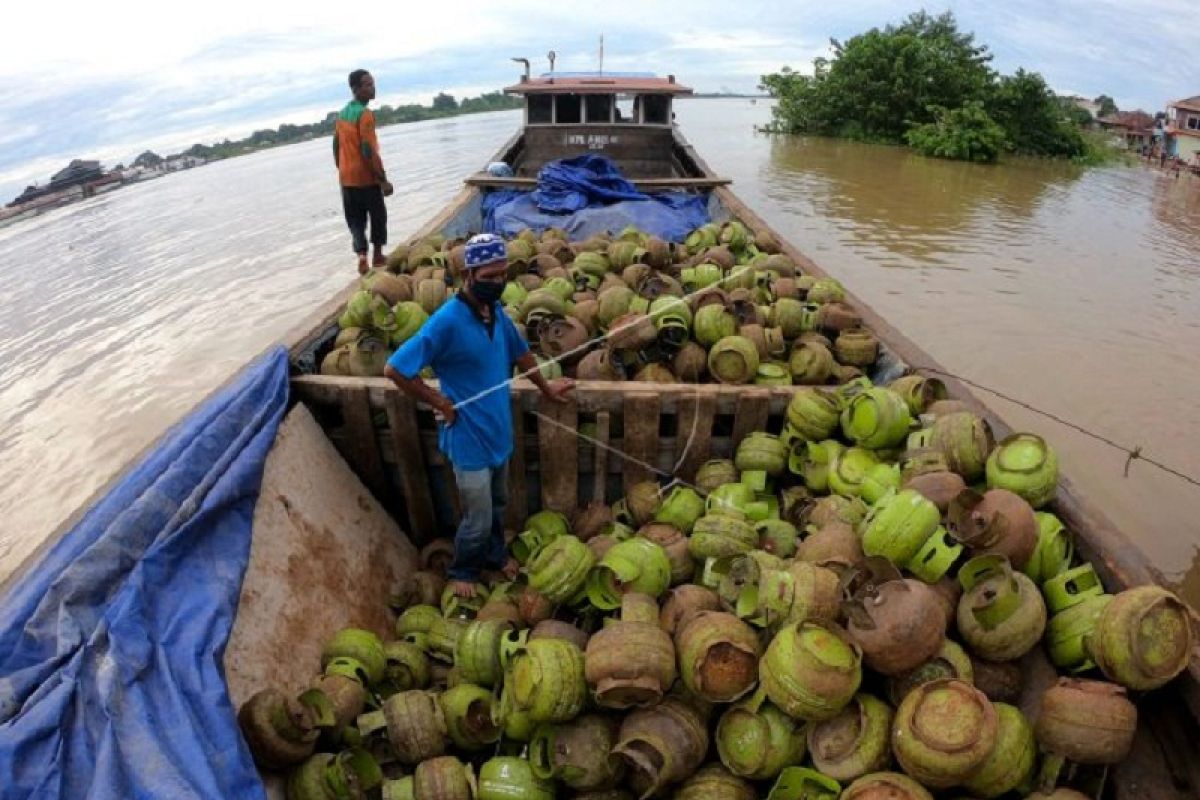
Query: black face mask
(486, 292)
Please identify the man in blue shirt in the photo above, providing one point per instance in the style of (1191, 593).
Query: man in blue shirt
(472, 346)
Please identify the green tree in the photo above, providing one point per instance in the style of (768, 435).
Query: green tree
(1032, 118)
(148, 159)
(1108, 106)
(966, 134)
(924, 75)
(444, 102)
(881, 82)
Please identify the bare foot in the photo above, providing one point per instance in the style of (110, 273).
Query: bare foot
(379, 262)
(510, 569)
(463, 589)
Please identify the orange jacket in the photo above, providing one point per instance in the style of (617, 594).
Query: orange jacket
(356, 148)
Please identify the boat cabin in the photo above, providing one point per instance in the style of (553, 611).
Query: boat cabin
(625, 116)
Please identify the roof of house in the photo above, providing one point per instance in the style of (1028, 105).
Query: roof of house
(1133, 120)
(599, 83)
(1190, 103)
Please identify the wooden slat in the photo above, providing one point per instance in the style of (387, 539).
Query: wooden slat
(558, 451)
(640, 442)
(600, 475)
(694, 433)
(360, 448)
(589, 396)
(410, 466)
(753, 409)
(518, 494)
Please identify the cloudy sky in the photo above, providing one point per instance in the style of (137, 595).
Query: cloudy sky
(108, 80)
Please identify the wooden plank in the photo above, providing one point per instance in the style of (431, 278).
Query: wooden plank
(558, 451)
(483, 180)
(360, 448)
(410, 467)
(640, 441)
(518, 493)
(304, 334)
(753, 409)
(590, 396)
(600, 473)
(449, 212)
(693, 440)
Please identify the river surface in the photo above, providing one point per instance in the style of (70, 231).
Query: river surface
(1075, 290)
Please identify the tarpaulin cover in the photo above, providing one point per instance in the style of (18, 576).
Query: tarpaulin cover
(587, 195)
(572, 184)
(111, 684)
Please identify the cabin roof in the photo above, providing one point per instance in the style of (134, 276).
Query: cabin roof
(599, 83)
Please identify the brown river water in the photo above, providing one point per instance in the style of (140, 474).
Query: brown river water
(1076, 290)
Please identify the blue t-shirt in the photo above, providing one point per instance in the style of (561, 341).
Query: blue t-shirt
(474, 369)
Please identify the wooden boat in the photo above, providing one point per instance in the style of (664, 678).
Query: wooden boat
(326, 551)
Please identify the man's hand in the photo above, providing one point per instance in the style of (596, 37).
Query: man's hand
(558, 388)
(387, 188)
(445, 410)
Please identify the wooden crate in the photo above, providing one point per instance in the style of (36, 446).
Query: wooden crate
(630, 432)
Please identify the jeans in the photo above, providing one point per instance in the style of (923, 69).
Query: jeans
(479, 542)
(360, 203)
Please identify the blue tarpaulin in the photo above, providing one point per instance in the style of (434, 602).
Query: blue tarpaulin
(587, 195)
(111, 681)
(572, 184)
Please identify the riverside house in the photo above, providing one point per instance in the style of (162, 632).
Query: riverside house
(1183, 128)
(1134, 128)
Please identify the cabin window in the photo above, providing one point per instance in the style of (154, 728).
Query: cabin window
(1193, 123)
(656, 109)
(599, 108)
(540, 109)
(568, 109)
(626, 110)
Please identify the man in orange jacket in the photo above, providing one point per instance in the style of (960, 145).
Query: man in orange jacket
(360, 170)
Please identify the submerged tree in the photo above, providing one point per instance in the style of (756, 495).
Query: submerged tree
(925, 74)
(881, 82)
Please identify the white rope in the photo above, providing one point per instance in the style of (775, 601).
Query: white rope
(602, 337)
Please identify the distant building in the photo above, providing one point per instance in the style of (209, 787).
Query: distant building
(79, 173)
(180, 161)
(1182, 128)
(1135, 128)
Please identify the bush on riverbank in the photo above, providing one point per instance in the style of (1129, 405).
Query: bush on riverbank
(926, 83)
